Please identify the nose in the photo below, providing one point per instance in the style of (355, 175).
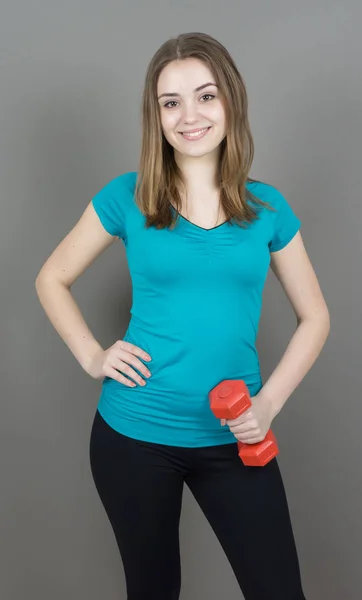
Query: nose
(190, 113)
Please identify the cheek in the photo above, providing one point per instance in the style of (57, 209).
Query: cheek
(216, 113)
(169, 121)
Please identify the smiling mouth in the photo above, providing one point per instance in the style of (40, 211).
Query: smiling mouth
(197, 134)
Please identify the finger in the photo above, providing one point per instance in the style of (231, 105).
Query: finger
(120, 365)
(245, 427)
(223, 422)
(133, 349)
(133, 360)
(250, 439)
(241, 419)
(117, 376)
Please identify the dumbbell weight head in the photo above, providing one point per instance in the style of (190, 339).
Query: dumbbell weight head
(259, 454)
(229, 399)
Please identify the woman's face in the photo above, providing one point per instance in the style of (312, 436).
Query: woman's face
(192, 113)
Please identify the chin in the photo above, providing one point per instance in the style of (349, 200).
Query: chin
(198, 152)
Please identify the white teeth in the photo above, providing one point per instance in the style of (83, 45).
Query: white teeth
(195, 133)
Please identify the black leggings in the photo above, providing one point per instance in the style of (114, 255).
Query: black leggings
(140, 485)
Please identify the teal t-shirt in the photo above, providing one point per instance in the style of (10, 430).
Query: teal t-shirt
(196, 305)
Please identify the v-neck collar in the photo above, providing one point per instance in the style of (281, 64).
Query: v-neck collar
(194, 224)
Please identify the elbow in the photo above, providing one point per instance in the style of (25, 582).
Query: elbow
(328, 323)
(39, 281)
(46, 280)
(324, 326)
(320, 318)
(324, 318)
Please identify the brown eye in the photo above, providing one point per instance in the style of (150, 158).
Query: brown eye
(170, 102)
(208, 95)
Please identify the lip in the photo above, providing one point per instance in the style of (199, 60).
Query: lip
(194, 130)
(195, 138)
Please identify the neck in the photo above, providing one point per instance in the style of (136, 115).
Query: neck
(199, 173)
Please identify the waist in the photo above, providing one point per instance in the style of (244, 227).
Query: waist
(190, 355)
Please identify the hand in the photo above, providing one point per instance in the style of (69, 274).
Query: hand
(116, 360)
(253, 425)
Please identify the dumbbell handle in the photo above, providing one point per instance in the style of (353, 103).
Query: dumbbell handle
(228, 400)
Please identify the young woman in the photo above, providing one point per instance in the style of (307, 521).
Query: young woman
(200, 235)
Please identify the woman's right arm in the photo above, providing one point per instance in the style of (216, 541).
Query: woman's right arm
(76, 252)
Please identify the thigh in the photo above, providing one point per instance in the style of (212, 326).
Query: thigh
(248, 511)
(141, 492)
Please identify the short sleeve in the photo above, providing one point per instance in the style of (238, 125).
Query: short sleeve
(109, 204)
(285, 222)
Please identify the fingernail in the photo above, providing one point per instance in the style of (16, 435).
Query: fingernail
(147, 357)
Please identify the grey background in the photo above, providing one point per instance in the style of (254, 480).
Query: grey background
(71, 82)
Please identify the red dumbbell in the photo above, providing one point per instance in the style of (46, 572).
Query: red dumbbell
(228, 400)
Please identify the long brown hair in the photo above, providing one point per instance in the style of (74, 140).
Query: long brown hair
(159, 177)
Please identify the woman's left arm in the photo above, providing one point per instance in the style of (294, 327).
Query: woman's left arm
(293, 269)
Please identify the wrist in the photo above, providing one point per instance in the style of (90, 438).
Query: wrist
(274, 406)
(88, 358)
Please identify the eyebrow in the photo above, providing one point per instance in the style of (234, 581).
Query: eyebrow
(201, 87)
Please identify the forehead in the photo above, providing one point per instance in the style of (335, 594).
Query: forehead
(183, 76)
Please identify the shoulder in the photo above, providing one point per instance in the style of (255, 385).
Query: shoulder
(126, 182)
(267, 193)
(114, 201)
(282, 222)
